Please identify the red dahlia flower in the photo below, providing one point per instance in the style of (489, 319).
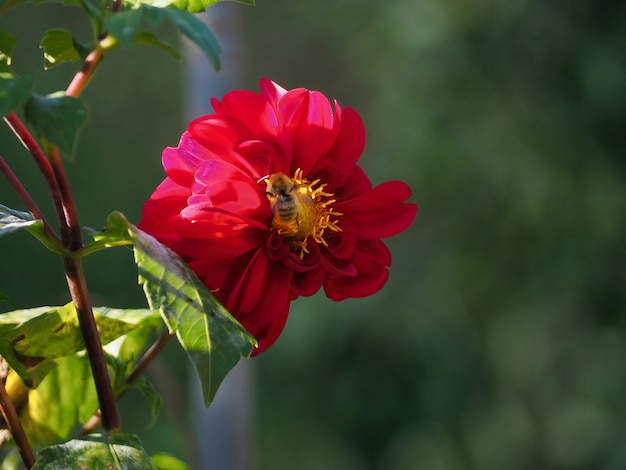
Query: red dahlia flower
(265, 201)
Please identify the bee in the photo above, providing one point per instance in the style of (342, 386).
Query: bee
(293, 210)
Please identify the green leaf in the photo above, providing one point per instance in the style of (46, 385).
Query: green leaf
(151, 395)
(14, 91)
(7, 43)
(167, 462)
(31, 340)
(124, 26)
(195, 29)
(67, 396)
(212, 338)
(57, 118)
(60, 46)
(12, 220)
(146, 38)
(3, 296)
(197, 6)
(96, 451)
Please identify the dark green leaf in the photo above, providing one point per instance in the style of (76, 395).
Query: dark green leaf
(57, 118)
(31, 340)
(212, 338)
(150, 39)
(151, 395)
(3, 296)
(196, 30)
(124, 25)
(14, 91)
(96, 451)
(60, 46)
(7, 43)
(12, 220)
(167, 462)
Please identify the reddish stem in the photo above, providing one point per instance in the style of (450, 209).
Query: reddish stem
(27, 199)
(27, 139)
(15, 426)
(84, 74)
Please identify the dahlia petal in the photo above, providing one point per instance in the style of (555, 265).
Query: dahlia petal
(223, 185)
(357, 183)
(270, 334)
(211, 249)
(310, 121)
(272, 91)
(371, 264)
(343, 245)
(348, 145)
(250, 114)
(264, 158)
(307, 283)
(259, 298)
(180, 163)
(215, 222)
(161, 213)
(213, 132)
(379, 213)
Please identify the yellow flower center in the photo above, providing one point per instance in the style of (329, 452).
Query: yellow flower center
(301, 209)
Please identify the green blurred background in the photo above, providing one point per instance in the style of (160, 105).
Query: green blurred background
(499, 341)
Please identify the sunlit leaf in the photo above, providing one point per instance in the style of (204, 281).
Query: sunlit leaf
(96, 451)
(212, 338)
(31, 340)
(192, 6)
(14, 91)
(167, 462)
(12, 220)
(70, 387)
(7, 43)
(57, 118)
(60, 46)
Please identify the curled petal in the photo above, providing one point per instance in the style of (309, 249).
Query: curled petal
(370, 273)
(272, 91)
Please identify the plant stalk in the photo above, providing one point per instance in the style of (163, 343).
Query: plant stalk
(15, 426)
(27, 199)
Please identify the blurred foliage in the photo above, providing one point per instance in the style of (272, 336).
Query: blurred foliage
(498, 343)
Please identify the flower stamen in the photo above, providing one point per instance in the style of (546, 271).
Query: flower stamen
(301, 209)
